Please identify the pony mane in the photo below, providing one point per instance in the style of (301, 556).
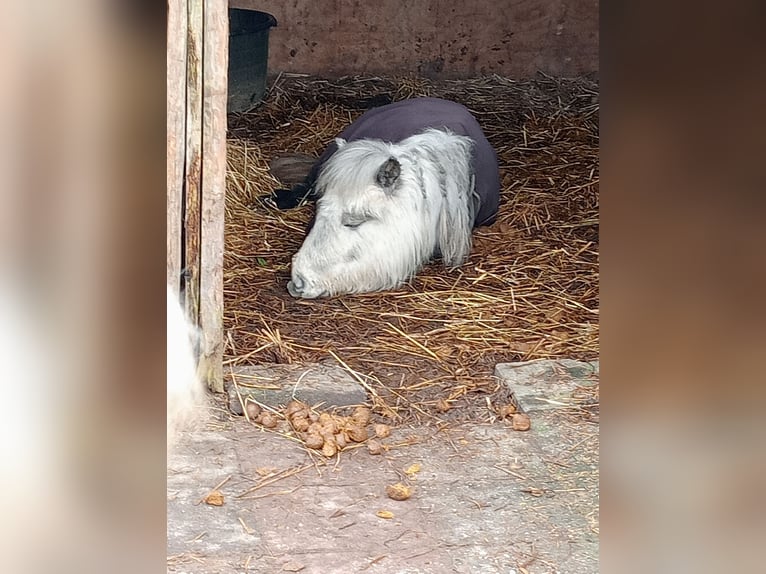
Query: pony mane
(445, 163)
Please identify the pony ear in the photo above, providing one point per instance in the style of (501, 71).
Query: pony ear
(388, 173)
(340, 142)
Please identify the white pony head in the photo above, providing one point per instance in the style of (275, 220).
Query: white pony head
(384, 210)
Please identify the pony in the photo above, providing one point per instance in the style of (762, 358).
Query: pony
(406, 182)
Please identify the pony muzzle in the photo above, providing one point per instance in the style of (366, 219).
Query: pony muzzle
(298, 287)
(295, 286)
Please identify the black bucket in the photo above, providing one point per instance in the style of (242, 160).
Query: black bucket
(248, 57)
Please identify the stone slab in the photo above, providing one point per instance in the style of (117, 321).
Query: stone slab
(275, 385)
(547, 384)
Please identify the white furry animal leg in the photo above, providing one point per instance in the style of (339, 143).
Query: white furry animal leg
(185, 392)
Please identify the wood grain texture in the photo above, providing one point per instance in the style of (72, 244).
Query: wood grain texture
(192, 218)
(216, 42)
(176, 137)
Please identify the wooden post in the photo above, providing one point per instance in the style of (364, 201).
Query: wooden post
(176, 125)
(197, 82)
(215, 81)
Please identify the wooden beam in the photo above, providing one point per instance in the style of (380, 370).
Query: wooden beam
(215, 74)
(176, 136)
(192, 218)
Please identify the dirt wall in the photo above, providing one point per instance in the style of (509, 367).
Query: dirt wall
(435, 38)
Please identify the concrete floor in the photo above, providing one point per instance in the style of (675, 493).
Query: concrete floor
(486, 500)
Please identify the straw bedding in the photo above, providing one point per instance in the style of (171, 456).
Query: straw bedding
(528, 291)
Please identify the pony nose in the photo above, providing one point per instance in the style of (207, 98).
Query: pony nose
(296, 286)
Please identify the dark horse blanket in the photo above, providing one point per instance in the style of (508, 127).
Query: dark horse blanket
(398, 121)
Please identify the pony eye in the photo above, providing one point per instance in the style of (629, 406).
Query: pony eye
(353, 221)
